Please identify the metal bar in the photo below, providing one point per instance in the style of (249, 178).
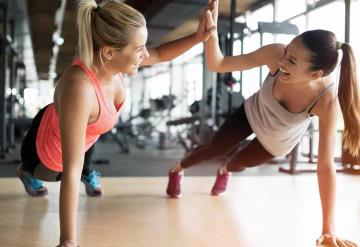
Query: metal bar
(230, 46)
(231, 29)
(213, 99)
(59, 18)
(241, 72)
(3, 71)
(12, 85)
(206, 79)
(347, 20)
(223, 27)
(278, 28)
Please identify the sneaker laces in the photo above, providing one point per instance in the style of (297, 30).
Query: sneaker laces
(92, 178)
(34, 183)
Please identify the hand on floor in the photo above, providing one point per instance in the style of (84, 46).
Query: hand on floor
(67, 244)
(333, 241)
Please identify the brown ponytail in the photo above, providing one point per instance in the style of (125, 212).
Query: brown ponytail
(325, 48)
(349, 101)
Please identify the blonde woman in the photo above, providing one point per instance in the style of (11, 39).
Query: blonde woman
(297, 89)
(88, 99)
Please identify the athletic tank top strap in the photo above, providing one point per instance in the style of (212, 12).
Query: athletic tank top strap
(94, 80)
(318, 98)
(277, 72)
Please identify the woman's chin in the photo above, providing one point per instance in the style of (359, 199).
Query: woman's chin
(284, 77)
(132, 71)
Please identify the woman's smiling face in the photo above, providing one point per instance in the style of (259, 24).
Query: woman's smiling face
(295, 64)
(128, 59)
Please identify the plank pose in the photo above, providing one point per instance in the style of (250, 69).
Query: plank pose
(297, 89)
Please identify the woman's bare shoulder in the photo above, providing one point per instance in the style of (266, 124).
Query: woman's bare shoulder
(74, 85)
(327, 103)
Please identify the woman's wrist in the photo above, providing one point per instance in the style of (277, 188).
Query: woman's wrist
(328, 232)
(213, 37)
(67, 243)
(328, 229)
(196, 38)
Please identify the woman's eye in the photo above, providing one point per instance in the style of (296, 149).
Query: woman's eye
(291, 61)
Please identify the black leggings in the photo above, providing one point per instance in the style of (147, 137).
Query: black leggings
(31, 161)
(232, 132)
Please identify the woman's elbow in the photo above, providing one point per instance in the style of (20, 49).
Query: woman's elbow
(213, 67)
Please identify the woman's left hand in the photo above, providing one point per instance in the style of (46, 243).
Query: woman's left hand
(206, 26)
(329, 240)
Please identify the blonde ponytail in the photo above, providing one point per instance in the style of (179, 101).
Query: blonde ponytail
(85, 12)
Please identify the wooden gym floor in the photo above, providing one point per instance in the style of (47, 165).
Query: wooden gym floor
(257, 211)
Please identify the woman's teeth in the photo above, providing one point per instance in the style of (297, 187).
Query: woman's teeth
(284, 71)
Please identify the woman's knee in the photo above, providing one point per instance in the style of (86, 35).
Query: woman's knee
(234, 166)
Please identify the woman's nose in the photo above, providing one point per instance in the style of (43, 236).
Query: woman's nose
(282, 63)
(146, 53)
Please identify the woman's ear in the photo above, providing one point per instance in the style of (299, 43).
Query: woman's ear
(317, 74)
(107, 53)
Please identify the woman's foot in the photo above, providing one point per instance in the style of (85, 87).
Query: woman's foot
(174, 185)
(33, 186)
(221, 182)
(92, 184)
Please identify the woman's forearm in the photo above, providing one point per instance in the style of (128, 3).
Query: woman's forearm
(327, 188)
(214, 56)
(69, 194)
(173, 49)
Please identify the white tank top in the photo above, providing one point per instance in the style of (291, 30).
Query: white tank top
(277, 129)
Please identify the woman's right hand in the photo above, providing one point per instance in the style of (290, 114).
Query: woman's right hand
(213, 6)
(211, 15)
(330, 240)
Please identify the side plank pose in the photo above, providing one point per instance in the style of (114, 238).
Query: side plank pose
(88, 99)
(297, 89)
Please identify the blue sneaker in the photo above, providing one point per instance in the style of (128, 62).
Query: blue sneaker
(33, 186)
(92, 184)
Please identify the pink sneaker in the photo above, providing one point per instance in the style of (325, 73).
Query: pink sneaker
(174, 186)
(220, 183)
